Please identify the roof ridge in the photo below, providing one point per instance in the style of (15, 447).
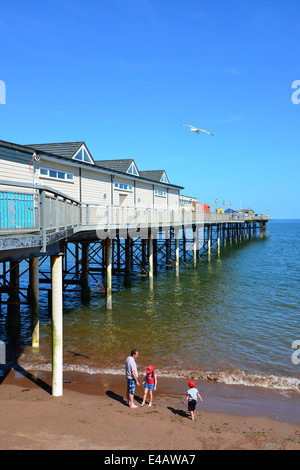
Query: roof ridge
(56, 143)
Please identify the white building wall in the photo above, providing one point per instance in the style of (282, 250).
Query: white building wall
(95, 187)
(14, 166)
(144, 194)
(69, 188)
(173, 199)
(160, 197)
(121, 195)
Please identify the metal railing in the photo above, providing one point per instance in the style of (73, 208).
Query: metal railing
(39, 209)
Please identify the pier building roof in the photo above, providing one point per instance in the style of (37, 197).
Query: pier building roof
(79, 152)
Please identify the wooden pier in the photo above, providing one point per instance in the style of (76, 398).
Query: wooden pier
(83, 241)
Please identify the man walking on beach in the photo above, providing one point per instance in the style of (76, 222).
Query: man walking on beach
(132, 377)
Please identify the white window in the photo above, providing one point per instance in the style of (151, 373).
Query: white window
(123, 186)
(83, 156)
(160, 193)
(56, 174)
(164, 178)
(133, 170)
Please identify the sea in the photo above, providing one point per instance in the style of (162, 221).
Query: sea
(234, 320)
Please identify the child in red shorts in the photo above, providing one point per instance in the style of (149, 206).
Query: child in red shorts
(150, 384)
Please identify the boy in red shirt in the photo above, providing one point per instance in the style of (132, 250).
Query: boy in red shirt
(150, 384)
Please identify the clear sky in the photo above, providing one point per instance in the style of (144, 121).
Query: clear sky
(124, 75)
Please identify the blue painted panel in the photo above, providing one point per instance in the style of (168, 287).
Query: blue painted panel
(16, 210)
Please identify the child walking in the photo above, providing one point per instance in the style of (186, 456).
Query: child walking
(191, 396)
(150, 384)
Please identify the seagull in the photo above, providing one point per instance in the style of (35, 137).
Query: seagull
(194, 129)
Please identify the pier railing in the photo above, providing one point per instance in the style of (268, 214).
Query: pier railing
(37, 209)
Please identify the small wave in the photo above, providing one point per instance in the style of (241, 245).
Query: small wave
(251, 379)
(232, 377)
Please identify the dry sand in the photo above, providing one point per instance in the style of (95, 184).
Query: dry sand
(92, 414)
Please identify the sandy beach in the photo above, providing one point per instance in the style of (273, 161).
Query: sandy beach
(92, 414)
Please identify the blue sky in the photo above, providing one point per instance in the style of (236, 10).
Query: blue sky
(124, 75)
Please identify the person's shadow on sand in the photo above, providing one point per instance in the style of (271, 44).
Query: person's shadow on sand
(119, 398)
(182, 413)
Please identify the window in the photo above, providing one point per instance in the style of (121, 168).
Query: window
(164, 178)
(83, 156)
(160, 193)
(56, 174)
(124, 186)
(132, 170)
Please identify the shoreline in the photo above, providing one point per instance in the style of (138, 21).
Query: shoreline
(92, 414)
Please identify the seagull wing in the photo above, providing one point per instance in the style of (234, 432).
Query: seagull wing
(203, 130)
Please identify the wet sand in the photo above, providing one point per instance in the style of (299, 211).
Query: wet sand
(92, 414)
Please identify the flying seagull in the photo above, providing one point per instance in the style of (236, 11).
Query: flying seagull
(194, 129)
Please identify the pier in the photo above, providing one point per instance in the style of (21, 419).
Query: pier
(59, 244)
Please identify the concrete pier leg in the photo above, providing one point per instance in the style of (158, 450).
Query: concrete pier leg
(218, 240)
(85, 290)
(108, 274)
(127, 255)
(13, 317)
(195, 247)
(144, 252)
(155, 254)
(208, 242)
(167, 235)
(177, 252)
(14, 297)
(150, 260)
(57, 325)
(262, 229)
(34, 300)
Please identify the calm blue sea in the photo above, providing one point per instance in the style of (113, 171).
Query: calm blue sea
(233, 319)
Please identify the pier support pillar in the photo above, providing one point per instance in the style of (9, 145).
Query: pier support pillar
(218, 239)
(33, 294)
(150, 260)
(108, 273)
(224, 234)
(208, 242)
(85, 290)
(57, 325)
(144, 251)
(14, 297)
(13, 317)
(195, 232)
(262, 229)
(177, 252)
(127, 255)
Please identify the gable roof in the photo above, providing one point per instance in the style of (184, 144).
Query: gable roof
(67, 150)
(121, 165)
(62, 149)
(154, 175)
